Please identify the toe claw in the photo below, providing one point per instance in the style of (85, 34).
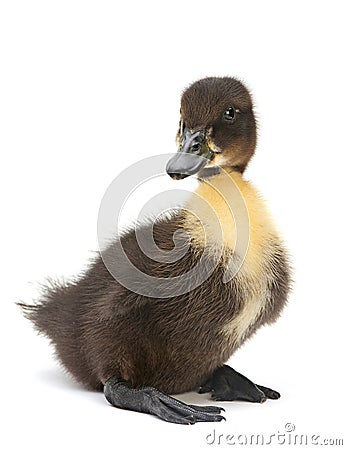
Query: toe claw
(219, 418)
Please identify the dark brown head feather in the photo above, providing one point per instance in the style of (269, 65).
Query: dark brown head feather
(202, 106)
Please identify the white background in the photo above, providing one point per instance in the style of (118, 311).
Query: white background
(89, 87)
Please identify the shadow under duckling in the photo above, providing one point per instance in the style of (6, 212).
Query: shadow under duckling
(140, 348)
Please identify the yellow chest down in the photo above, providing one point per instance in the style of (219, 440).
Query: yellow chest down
(227, 212)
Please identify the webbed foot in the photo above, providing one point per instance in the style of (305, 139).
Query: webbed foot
(226, 384)
(150, 400)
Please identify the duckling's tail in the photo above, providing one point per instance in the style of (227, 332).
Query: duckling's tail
(47, 313)
(31, 312)
(56, 315)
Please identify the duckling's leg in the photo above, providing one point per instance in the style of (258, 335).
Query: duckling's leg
(150, 400)
(227, 384)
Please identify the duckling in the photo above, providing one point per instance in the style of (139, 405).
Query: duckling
(142, 349)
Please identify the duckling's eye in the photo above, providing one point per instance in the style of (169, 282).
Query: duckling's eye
(229, 114)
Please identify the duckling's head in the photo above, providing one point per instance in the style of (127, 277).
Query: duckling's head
(217, 128)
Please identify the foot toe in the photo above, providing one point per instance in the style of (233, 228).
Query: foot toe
(270, 393)
(173, 417)
(209, 409)
(198, 413)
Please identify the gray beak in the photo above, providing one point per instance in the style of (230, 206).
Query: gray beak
(192, 156)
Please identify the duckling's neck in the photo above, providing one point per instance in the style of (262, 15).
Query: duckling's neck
(225, 207)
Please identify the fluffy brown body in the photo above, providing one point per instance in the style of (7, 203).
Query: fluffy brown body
(101, 329)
